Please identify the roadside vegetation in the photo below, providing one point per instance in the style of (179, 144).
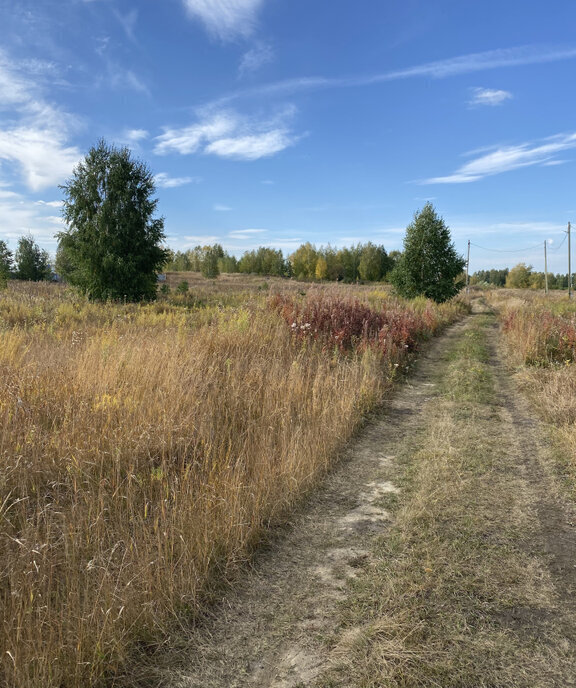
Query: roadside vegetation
(540, 335)
(146, 447)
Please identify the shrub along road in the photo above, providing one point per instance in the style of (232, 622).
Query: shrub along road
(441, 552)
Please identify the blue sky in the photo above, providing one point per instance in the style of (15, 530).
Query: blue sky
(274, 122)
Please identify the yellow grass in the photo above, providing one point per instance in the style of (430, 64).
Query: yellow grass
(143, 450)
(550, 386)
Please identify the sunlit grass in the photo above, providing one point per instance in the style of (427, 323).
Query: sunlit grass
(144, 450)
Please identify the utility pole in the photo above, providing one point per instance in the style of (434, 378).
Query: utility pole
(545, 270)
(467, 268)
(569, 266)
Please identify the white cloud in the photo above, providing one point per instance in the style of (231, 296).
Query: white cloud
(189, 139)
(135, 135)
(164, 181)
(50, 204)
(37, 145)
(40, 154)
(255, 58)
(252, 147)
(246, 233)
(226, 19)
(488, 96)
(229, 135)
(507, 158)
(268, 182)
(219, 208)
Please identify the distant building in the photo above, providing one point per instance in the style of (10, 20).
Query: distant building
(161, 277)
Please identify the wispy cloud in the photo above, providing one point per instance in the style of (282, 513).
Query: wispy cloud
(230, 135)
(135, 135)
(40, 153)
(164, 181)
(441, 69)
(246, 233)
(226, 19)
(255, 58)
(50, 204)
(37, 145)
(122, 79)
(19, 216)
(219, 208)
(128, 23)
(488, 96)
(507, 158)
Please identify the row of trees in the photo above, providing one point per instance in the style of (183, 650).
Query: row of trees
(366, 262)
(29, 262)
(429, 264)
(113, 247)
(521, 276)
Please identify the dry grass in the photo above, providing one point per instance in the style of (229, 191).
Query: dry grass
(540, 337)
(144, 449)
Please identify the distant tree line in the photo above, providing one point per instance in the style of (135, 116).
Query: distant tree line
(521, 276)
(367, 262)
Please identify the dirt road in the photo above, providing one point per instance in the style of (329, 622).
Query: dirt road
(440, 552)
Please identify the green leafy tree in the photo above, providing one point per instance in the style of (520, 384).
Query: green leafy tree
(113, 242)
(209, 266)
(304, 261)
(519, 277)
(374, 262)
(32, 262)
(429, 264)
(5, 264)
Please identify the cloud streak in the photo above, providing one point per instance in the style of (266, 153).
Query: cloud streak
(440, 69)
(226, 19)
(508, 158)
(164, 181)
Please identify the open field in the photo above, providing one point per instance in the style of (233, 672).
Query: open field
(439, 552)
(145, 448)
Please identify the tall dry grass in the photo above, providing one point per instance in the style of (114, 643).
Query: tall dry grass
(540, 335)
(144, 449)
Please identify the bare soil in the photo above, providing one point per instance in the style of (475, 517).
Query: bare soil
(281, 626)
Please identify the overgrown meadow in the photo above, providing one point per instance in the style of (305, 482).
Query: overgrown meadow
(145, 448)
(540, 333)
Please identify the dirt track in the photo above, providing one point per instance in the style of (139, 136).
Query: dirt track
(282, 627)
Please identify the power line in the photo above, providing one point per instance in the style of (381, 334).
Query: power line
(513, 250)
(560, 244)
